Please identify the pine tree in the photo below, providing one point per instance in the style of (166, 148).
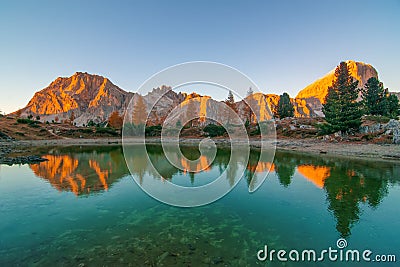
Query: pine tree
(248, 108)
(230, 101)
(250, 91)
(285, 106)
(139, 115)
(375, 98)
(393, 106)
(341, 109)
(230, 105)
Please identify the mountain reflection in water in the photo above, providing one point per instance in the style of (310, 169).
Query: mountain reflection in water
(347, 183)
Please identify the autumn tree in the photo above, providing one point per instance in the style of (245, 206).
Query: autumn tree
(72, 117)
(341, 109)
(115, 120)
(285, 106)
(139, 115)
(56, 119)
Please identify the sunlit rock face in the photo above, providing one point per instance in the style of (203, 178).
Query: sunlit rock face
(263, 106)
(86, 97)
(89, 97)
(315, 93)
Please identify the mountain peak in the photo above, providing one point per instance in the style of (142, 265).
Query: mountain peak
(315, 93)
(89, 96)
(319, 89)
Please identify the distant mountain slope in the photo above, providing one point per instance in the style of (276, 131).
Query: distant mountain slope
(89, 97)
(315, 93)
(92, 97)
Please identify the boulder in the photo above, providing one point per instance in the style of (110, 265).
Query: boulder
(373, 128)
(393, 126)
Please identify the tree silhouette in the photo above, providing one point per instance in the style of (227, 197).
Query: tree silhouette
(341, 109)
(393, 106)
(285, 168)
(375, 98)
(248, 108)
(346, 189)
(285, 106)
(230, 108)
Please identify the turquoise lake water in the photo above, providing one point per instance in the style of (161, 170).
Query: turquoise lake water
(82, 208)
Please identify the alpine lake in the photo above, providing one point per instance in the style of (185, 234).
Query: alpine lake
(82, 207)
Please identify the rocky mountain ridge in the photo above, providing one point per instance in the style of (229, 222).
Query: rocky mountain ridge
(86, 97)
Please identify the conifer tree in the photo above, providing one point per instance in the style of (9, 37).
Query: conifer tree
(230, 105)
(393, 106)
(375, 98)
(285, 106)
(341, 109)
(230, 101)
(248, 108)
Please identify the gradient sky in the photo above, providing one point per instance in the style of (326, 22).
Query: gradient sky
(281, 45)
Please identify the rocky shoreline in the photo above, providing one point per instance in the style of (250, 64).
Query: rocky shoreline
(362, 150)
(7, 148)
(22, 160)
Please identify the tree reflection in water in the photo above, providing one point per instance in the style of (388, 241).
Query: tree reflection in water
(347, 183)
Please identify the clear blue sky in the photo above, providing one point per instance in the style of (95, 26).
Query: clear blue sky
(281, 45)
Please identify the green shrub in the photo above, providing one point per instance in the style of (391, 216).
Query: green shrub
(214, 130)
(24, 121)
(324, 129)
(111, 131)
(85, 130)
(153, 130)
(33, 125)
(379, 119)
